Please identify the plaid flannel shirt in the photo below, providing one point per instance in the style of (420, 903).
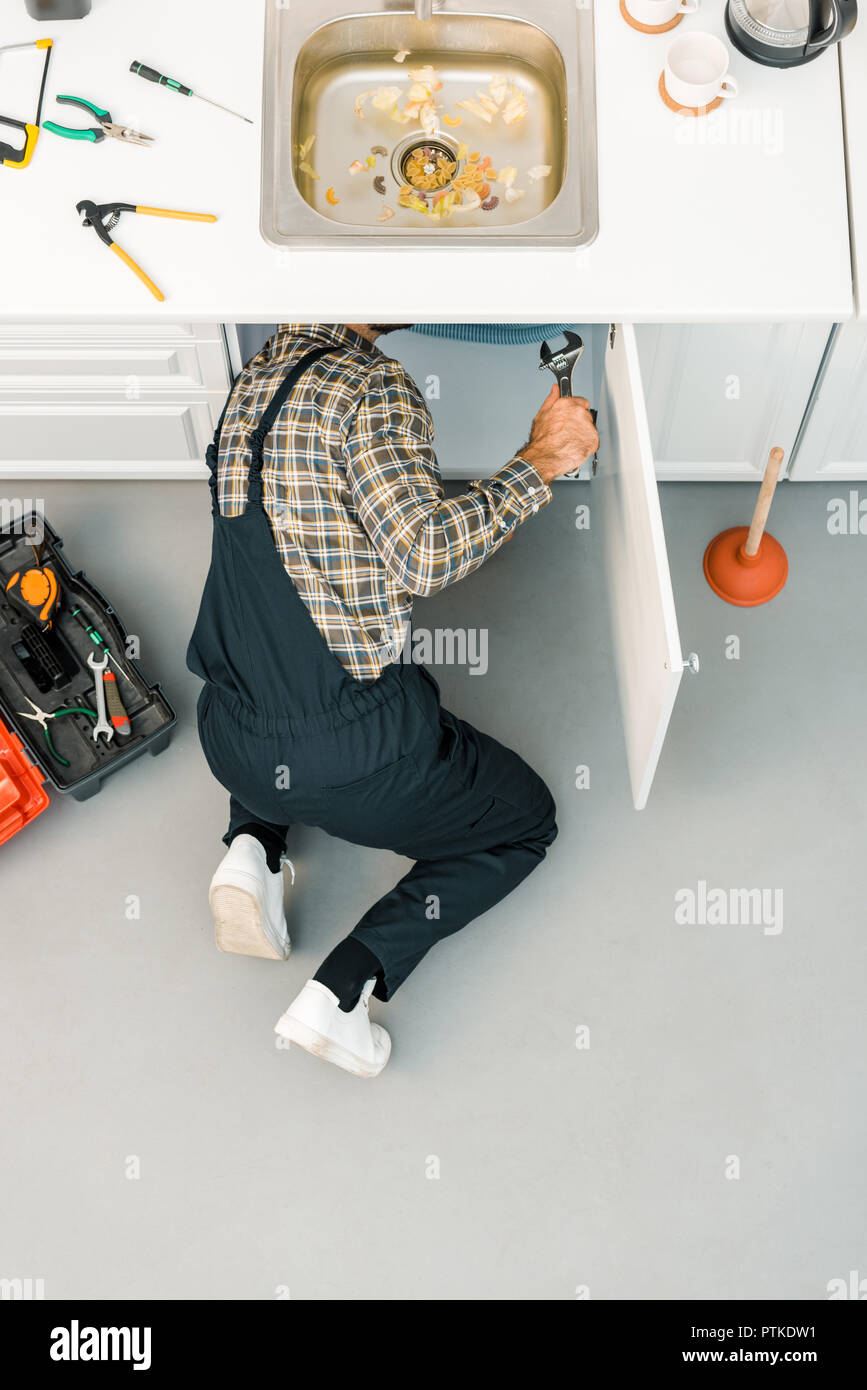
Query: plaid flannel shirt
(353, 491)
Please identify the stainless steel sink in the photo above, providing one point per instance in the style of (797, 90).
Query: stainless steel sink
(319, 60)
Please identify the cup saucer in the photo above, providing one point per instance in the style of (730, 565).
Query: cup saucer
(649, 28)
(685, 110)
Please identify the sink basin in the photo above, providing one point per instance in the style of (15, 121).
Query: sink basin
(447, 176)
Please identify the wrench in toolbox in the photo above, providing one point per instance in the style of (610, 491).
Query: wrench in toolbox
(103, 724)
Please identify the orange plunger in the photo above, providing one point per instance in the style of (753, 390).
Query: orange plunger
(744, 565)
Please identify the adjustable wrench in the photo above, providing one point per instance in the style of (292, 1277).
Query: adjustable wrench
(103, 724)
(563, 364)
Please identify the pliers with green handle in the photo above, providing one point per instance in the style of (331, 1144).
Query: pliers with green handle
(41, 716)
(95, 133)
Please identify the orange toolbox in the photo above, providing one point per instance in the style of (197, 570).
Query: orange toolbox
(22, 795)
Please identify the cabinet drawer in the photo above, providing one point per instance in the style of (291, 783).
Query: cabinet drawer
(121, 334)
(84, 358)
(122, 435)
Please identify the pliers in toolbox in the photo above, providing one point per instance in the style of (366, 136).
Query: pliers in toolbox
(95, 133)
(104, 217)
(41, 716)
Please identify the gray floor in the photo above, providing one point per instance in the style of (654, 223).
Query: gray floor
(264, 1170)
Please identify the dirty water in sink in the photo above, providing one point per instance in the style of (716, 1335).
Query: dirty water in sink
(440, 142)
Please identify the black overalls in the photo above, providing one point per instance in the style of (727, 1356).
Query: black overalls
(294, 737)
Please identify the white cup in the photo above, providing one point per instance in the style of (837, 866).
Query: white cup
(696, 71)
(657, 12)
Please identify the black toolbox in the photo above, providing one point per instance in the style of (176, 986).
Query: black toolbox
(51, 669)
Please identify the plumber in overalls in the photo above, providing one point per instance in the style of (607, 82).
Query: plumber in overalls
(328, 517)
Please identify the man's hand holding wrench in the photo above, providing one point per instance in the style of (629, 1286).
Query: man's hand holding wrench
(564, 432)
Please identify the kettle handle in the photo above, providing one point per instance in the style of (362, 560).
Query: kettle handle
(844, 15)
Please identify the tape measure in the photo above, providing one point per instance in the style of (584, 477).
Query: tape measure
(36, 592)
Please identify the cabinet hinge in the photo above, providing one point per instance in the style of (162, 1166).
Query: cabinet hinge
(612, 335)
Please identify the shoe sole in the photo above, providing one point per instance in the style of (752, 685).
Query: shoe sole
(322, 1046)
(238, 924)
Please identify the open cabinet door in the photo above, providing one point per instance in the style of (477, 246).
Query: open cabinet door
(647, 651)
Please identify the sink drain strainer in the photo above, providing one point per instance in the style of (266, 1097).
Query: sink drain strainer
(427, 164)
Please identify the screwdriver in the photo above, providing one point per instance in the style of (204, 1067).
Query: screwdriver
(97, 639)
(151, 75)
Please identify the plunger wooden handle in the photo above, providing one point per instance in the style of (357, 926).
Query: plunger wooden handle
(763, 505)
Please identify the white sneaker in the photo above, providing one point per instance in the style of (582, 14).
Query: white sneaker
(315, 1021)
(247, 903)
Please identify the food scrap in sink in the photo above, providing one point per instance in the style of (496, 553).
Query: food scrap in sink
(502, 99)
(383, 98)
(431, 173)
(420, 104)
(475, 176)
(302, 151)
(429, 170)
(507, 179)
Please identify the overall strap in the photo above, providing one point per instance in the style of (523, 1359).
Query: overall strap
(212, 457)
(275, 405)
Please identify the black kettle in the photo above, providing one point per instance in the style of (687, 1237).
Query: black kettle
(786, 33)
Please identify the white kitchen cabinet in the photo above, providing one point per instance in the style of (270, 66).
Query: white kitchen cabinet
(109, 400)
(720, 396)
(833, 443)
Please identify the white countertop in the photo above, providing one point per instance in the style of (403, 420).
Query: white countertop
(741, 216)
(854, 62)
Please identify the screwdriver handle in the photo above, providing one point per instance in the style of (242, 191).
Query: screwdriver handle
(91, 631)
(151, 75)
(98, 640)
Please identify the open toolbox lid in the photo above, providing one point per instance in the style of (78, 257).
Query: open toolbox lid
(22, 795)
